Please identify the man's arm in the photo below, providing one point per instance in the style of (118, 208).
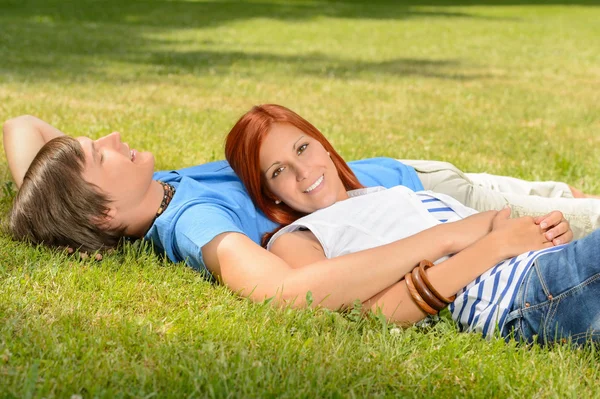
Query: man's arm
(251, 271)
(24, 136)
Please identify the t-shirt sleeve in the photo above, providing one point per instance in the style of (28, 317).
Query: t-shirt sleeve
(196, 227)
(386, 172)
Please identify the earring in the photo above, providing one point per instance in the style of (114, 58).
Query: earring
(277, 202)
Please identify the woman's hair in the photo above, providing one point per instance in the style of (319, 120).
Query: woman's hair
(242, 149)
(56, 207)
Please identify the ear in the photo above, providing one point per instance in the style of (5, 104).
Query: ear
(104, 221)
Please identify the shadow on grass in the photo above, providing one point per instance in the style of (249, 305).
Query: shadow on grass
(64, 40)
(204, 13)
(51, 40)
(217, 62)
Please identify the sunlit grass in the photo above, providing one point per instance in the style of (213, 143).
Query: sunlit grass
(490, 86)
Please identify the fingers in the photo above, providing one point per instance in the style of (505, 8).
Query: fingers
(500, 217)
(558, 229)
(549, 220)
(83, 255)
(503, 213)
(560, 234)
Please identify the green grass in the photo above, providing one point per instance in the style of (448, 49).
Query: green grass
(492, 86)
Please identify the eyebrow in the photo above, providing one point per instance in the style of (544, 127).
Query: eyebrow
(294, 147)
(276, 162)
(94, 153)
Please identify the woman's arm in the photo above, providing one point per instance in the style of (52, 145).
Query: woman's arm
(24, 136)
(509, 237)
(301, 248)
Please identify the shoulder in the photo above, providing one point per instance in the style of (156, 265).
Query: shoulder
(298, 248)
(386, 172)
(375, 162)
(210, 170)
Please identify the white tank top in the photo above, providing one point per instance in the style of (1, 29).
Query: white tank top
(367, 221)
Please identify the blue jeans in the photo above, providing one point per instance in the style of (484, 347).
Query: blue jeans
(559, 299)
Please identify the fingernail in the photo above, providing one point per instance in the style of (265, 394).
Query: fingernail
(549, 236)
(557, 242)
(543, 225)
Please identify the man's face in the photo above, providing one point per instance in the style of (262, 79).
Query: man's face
(121, 173)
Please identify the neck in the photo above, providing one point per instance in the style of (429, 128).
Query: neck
(342, 195)
(146, 213)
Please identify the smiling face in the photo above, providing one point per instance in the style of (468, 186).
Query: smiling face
(298, 170)
(123, 174)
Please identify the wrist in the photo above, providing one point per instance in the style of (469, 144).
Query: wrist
(450, 243)
(496, 246)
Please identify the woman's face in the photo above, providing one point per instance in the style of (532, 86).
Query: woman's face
(123, 174)
(298, 170)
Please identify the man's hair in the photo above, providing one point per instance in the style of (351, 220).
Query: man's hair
(56, 207)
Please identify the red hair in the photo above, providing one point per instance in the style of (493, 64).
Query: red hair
(242, 148)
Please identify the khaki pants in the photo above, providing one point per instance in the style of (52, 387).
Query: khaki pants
(484, 192)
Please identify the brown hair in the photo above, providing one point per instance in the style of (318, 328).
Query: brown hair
(56, 207)
(242, 148)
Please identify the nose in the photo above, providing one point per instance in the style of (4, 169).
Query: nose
(111, 140)
(301, 171)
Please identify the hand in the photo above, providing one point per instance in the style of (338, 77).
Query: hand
(83, 255)
(557, 229)
(469, 230)
(519, 235)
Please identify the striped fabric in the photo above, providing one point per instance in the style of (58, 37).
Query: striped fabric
(484, 304)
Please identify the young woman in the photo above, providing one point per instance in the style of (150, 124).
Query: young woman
(481, 191)
(550, 292)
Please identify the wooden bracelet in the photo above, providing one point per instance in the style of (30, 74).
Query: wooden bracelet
(425, 293)
(416, 297)
(424, 265)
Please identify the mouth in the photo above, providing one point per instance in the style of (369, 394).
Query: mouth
(315, 184)
(132, 154)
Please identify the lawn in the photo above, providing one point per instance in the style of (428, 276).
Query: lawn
(505, 87)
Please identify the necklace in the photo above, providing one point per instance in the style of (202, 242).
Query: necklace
(169, 192)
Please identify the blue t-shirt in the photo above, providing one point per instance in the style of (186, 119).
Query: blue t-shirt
(210, 200)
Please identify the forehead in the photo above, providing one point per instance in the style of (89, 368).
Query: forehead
(280, 137)
(86, 144)
(283, 130)
(279, 141)
(87, 147)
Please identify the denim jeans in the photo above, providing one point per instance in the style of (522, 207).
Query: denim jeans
(559, 299)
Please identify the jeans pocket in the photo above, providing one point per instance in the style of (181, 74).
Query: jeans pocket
(513, 326)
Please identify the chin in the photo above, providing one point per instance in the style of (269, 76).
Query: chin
(325, 204)
(146, 160)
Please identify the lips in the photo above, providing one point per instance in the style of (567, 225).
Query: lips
(133, 154)
(315, 184)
